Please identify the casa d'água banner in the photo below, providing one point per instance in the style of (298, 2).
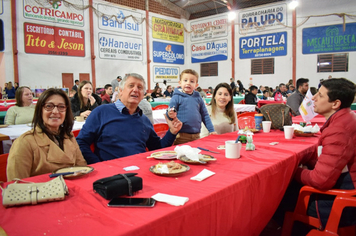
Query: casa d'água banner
(329, 39)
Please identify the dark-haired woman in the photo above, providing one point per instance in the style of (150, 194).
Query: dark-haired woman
(84, 101)
(221, 111)
(50, 145)
(22, 112)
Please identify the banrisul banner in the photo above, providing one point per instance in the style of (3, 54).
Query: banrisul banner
(263, 18)
(119, 20)
(54, 11)
(168, 53)
(211, 28)
(168, 73)
(119, 47)
(327, 39)
(209, 51)
(267, 45)
(167, 30)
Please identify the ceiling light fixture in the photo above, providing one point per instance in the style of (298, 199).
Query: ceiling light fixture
(293, 4)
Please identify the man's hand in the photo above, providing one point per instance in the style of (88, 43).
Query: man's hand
(174, 125)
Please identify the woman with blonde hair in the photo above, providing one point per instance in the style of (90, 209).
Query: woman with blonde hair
(221, 111)
(84, 101)
(10, 90)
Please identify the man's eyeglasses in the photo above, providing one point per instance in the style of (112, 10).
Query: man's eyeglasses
(51, 106)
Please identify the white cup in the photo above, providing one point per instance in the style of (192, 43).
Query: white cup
(288, 132)
(232, 149)
(266, 125)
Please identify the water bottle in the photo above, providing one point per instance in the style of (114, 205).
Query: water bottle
(258, 121)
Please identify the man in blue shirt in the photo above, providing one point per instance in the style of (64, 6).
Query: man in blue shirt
(119, 129)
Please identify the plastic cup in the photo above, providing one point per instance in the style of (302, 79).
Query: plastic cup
(232, 149)
(288, 132)
(266, 125)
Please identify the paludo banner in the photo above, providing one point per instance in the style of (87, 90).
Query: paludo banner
(167, 30)
(43, 39)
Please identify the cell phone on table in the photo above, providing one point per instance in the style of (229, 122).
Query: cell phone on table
(132, 202)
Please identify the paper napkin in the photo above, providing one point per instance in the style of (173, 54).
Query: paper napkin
(203, 175)
(170, 199)
(129, 168)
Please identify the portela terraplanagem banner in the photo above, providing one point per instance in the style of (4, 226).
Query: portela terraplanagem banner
(43, 39)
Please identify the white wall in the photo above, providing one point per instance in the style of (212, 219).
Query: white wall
(307, 64)
(37, 70)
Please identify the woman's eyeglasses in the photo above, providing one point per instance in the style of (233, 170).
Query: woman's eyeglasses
(51, 106)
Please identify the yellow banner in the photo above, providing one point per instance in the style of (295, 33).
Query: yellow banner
(167, 30)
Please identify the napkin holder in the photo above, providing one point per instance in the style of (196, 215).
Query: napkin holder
(118, 185)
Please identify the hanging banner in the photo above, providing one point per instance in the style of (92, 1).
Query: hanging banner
(267, 45)
(120, 48)
(55, 11)
(43, 39)
(209, 51)
(167, 30)
(214, 27)
(328, 39)
(168, 53)
(263, 18)
(119, 20)
(167, 73)
(1, 6)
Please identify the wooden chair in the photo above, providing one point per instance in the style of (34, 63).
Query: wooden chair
(300, 212)
(161, 129)
(3, 164)
(160, 107)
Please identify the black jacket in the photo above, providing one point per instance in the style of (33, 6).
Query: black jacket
(251, 98)
(75, 104)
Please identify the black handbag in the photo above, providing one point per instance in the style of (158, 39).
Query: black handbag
(118, 185)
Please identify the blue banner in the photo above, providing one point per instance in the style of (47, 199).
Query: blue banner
(331, 38)
(266, 45)
(168, 53)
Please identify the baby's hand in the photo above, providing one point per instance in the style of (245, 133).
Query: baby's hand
(172, 113)
(212, 133)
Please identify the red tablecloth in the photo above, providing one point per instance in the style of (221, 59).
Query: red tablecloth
(260, 103)
(238, 200)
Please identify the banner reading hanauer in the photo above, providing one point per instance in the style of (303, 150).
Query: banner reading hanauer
(209, 51)
(267, 45)
(54, 11)
(120, 47)
(168, 53)
(43, 39)
(167, 30)
(328, 39)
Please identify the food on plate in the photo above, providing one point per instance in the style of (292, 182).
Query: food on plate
(172, 167)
